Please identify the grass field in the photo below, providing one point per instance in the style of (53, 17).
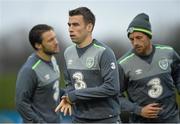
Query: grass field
(7, 91)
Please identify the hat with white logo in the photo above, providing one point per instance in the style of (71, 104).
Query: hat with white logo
(140, 23)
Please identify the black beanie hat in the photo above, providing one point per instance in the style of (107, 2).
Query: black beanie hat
(140, 24)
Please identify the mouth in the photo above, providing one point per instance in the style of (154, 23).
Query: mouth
(56, 48)
(72, 36)
(138, 48)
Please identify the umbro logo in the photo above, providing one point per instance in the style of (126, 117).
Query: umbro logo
(138, 71)
(70, 62)
(47, 76)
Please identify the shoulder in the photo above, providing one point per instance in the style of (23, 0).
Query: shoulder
(31, 63)
(69, 49)
(27, 75)
(165, 50)
(163, 47)
(102, 47)
(126, 57)
(26, 72)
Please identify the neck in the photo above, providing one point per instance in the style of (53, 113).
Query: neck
(149, 50)
(43, 56)
(86, 42)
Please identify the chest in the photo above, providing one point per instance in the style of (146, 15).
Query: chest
(139, 68)
(89, 60)
(47, 74)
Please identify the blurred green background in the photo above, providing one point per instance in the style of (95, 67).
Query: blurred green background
(17, 17)
(7, 88)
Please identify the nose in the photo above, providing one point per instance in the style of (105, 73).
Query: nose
(70, 28)
(135, 42)
(55, 41)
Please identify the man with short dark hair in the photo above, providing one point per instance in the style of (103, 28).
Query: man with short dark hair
(37, 85)
(149, 73)
(91, 74)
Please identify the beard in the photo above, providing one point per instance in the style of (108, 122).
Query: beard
(50, 52)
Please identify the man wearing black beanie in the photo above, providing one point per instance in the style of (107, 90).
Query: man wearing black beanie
(149, 73)
(140, 24)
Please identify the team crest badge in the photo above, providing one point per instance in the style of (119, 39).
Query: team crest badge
(163, 64)
(89, 62)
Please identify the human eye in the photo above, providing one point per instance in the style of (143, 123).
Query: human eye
(69, 24)
(139, 37)
(75, 24)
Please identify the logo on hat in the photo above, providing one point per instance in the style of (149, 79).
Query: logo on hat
(163, 63)
(130, 30)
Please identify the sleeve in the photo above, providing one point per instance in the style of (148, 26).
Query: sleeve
(176, 70)
(62, 92)
(67, 79)
(109, 87)
(126, 105)
(25, 87)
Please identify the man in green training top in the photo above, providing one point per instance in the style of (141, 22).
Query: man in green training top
(37, 86)
(149, 73)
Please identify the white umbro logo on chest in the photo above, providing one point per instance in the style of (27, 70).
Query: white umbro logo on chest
(47, 76)
(70, 62)
(138, 71)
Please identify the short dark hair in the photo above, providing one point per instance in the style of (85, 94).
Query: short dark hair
(86, 13)
(35, 34)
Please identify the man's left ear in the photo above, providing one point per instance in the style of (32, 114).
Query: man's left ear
(38, 46)
(90, 27)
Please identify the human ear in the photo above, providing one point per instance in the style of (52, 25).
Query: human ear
(38, 46)
(90, 27)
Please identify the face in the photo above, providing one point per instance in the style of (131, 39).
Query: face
(49, 44)
(78, 29)
(140, 42)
